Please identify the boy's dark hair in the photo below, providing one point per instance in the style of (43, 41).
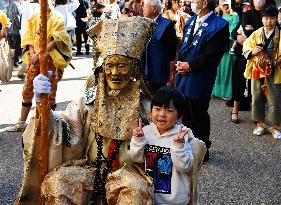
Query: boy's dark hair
(165, 95)
(60, 2)
(271, 11)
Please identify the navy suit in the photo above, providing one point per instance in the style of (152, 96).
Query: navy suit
(203, 51)
(160, 51)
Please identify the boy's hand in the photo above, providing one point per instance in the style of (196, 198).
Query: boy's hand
(137, 131)
(256, 50)
(180, 138)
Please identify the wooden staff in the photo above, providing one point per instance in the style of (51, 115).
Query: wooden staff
(43, 106)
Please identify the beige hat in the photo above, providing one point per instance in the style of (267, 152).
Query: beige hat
(126, 36)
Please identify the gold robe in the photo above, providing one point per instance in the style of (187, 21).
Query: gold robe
(73, 137)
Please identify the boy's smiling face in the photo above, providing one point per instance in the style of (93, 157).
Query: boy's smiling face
(164, 118)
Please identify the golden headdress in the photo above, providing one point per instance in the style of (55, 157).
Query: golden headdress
(126, 36)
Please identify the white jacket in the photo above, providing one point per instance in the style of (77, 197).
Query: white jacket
(166, 161)
(66, 12)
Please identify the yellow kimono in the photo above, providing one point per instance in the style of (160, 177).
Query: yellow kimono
(55, 29)
(251, 42)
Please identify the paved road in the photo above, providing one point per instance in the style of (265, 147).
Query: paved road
(243, 169)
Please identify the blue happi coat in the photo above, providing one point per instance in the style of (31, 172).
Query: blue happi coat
(159, 53)
(199, 85)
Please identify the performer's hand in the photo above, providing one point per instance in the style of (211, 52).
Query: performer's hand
(41, 85)
(256, 50)
(182, 67)
(180, 138)
(137, 131)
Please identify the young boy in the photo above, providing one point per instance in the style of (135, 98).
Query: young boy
(262, 51)
(164, 146)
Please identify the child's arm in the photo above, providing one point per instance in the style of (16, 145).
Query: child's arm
(52, 45)
(251, 46)
(137, 144)
(34, 57)
(181, 151)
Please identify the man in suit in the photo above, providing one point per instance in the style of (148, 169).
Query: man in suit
(161, 49)
(206, 38)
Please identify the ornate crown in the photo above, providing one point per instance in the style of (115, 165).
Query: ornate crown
(126, 36)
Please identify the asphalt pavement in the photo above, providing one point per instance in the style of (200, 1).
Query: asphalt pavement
(243, 169)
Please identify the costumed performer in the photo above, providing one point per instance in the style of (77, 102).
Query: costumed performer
(95, 131)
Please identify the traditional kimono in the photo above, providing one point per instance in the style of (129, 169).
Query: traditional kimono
(59, 57)
(55, 30)
(223, 84)
(251, 43)
(265, 87)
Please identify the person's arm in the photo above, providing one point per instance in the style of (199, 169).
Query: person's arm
(137, 144)
(234, 26)
(213, 52)
(136, 151)
(34, 57)
(250, 48)
(236, 32)
(181, 153)
(2, 32)
(52, 45)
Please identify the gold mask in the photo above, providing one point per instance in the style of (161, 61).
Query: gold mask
(118, 70)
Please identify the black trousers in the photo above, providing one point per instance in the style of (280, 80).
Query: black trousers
(238, 79)
(79, 32)
(14, 43)
(197, 118)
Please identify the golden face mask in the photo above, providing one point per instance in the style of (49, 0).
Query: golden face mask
(118, 70)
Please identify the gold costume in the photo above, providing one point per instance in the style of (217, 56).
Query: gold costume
(91, 140)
